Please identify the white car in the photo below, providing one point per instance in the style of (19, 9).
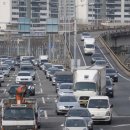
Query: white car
(24, 76)
(75, 123)
(100, 108)
(1, 76)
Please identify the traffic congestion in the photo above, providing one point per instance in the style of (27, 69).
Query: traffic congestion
(38, 94)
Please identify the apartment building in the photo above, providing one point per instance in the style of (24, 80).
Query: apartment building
(97, 11)
(36, 11)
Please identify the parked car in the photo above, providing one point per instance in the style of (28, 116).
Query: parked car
(109, 87)
(75, 123)
(112, 73)
(81, 112)
(65, 102)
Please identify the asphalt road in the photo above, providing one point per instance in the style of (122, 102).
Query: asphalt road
(46, 95)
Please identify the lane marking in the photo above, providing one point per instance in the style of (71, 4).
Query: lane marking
(43, 100)
(45, 113)
(41, 90)
(112, 65)
(7, 85)
(10, 80)
(122, 125)
(40, 84)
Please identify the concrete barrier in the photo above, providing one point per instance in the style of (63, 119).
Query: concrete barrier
(113, 56)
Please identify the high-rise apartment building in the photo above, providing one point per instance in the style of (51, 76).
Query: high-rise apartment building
(97, 11)
(37, 11)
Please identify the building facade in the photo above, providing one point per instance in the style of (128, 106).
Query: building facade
(98, 11)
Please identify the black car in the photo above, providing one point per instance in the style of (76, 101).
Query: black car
(109, 87)
(81, 112)
(112, 73)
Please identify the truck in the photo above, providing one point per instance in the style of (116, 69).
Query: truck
(89, 81)
(42, 59)
(89, 46)
(19, 116)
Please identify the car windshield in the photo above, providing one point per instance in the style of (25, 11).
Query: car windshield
(98, 103)
(83, 86)
(1, 73)
(100, 62)
(65, 86)
(27, 68)
(89, 46)
(64, 78)
(108, 83)
(75, 123)
(97, 55)
(18, 113)
(23, 74)
(110, 71)
(79, 113)
(59, 66)
(67, 99)
(4, 68)
(85, 34)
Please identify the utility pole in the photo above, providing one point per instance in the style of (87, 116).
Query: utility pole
(75, 36)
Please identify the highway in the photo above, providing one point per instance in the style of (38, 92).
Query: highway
(46, 95)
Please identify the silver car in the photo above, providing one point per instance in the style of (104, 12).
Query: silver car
(75, 123)
(65, 102)
(65, 88)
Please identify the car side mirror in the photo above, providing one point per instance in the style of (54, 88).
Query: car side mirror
(111, 106)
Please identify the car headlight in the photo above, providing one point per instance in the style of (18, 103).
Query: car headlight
(108, 113)
(90, 123)
(110, 88)
(61, 107)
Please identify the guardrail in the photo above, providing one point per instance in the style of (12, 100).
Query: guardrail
(113, 55)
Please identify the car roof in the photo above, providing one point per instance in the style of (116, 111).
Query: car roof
(63, 73)
(99, 97)
(71, 117)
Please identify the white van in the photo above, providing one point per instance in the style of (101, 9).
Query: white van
(100, 108)
(89, 46)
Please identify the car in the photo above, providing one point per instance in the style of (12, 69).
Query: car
(23, 76)
(65, 88)
(13, 87)
(75, 123)
(65, 102)
(2, 76)
(63, 77)
(30, 69)
(109, 87)
(85, 35)
(60, 67)
(94, 57)
(10, 63)
(51, 71)
(112, 73)
(100, 108)
(5, 70)
(81, 112)
(101, 63)
(45, 67)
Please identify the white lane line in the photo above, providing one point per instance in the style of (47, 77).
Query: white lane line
(5, 90)
(122, 125)
(112, 65)
(40, 84)
(45, 114)
(81, 54)
(41, 90)
(10, 80)
(43, 100)
(7, 85)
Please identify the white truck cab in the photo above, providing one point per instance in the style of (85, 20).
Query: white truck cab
(89, 46)
(100, 108)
